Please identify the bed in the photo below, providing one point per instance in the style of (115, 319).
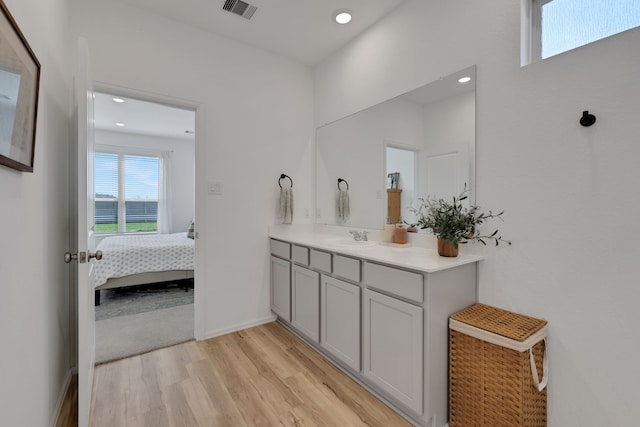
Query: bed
(140, 259)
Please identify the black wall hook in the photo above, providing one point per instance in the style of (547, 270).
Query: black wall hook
(587, 119)
(283, 176)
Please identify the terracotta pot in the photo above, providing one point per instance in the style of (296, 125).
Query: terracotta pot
(446, 248)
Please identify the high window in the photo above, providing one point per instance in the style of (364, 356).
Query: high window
(555, 26)
(126, 192)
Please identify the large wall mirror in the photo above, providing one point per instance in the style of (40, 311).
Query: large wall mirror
(417, 145)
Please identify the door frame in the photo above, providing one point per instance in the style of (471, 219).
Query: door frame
(200, 203)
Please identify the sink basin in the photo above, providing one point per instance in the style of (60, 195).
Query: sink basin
(349, 243)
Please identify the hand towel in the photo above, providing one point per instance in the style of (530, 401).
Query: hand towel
(286, 205)
(343, 205)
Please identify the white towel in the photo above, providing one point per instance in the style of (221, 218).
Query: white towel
(286, 205)
(343, 205)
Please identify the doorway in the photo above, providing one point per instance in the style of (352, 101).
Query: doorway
(401, 164)
(144, 175)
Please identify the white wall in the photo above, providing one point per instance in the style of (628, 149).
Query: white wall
(450, 131)
(182, 169)
(34, 308)
(258, 123)
(569, 192)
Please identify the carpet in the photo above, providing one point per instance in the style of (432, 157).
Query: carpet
(139, 319)
(125, 336)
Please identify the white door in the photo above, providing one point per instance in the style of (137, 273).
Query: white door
(85, 245)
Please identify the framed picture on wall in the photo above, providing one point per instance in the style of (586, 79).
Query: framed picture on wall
(19, 86)
(392, 180)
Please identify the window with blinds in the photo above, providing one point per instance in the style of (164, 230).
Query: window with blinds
(126, 192)
(556, 26)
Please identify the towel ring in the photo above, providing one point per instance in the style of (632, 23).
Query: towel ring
(283, 176)
(342, 180)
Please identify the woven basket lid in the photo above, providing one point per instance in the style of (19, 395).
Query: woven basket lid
(502, 322)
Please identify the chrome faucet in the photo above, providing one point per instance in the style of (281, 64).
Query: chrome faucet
(359, 236)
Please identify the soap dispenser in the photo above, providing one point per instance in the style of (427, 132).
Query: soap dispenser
(400, 234)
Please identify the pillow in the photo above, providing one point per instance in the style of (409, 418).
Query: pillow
(191, 231)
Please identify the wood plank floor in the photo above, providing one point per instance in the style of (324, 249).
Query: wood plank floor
(262, 376)
(68, 416)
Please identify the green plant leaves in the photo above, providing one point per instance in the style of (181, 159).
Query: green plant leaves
(455, 222)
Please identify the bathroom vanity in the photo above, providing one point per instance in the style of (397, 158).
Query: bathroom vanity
(379, 313)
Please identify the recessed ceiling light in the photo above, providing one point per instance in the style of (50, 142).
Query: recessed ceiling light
(464, 79)
(118, 100)
(119, 124)
(342, 16)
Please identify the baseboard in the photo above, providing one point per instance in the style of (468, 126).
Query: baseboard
(61, 396)
(239, 327)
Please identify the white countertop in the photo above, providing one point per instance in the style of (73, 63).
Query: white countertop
(414, 258)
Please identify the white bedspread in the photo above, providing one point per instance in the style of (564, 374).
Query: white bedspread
(126, 255)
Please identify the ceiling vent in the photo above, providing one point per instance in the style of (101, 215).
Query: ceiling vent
(239, 8)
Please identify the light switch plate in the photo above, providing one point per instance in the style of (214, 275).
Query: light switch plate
(214, 188)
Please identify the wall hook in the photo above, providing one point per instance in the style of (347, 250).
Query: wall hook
(587, 119)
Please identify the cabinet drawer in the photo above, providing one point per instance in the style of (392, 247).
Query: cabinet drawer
(403, 283)
(300, 254)
(320, 260)
(346, 267)
(280, 249)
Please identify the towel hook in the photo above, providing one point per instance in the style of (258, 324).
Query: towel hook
(587, 119)
(342, 180)
(283, 176)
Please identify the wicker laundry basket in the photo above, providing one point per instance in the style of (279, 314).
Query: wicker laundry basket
(495, 360)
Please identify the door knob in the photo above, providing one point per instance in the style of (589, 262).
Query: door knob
(82, 257)
(68, 257)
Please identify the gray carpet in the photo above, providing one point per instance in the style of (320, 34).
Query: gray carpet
(125, 336)
(139, 319)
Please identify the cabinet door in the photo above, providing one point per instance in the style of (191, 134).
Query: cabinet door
(281, 288)
(340, 320)
(393, 347)
(305, 293)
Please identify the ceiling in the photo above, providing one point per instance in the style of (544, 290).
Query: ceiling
(444, 87)
(301, 30)
(142, 117)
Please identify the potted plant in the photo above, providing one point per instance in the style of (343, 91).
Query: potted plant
(455, 224)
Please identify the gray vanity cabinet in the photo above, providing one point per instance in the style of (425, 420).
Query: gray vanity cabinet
(385, 323)
(340, 320)
(305, 304)
(392, 342)
(281, 287)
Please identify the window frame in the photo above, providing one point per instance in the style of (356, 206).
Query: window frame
(531, 33)
(121, 199)
(531, 37)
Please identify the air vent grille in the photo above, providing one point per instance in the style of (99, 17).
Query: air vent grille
(239, 8)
